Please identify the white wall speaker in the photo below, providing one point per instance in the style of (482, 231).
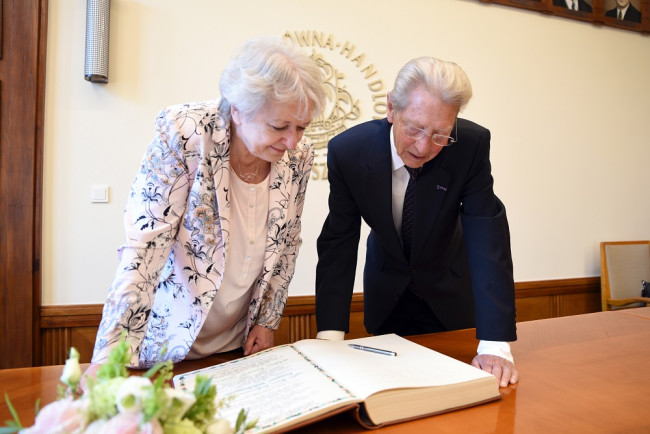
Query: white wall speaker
(97, 29)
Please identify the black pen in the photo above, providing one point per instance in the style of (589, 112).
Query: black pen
(372, 350)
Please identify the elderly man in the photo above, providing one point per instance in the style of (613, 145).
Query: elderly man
(438, 255)
(625, 11)
(574, 5)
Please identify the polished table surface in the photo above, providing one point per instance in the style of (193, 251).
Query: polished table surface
(583, 373)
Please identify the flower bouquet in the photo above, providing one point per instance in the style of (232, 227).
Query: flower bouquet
(114, 402)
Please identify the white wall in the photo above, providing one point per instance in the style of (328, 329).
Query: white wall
(566, 101)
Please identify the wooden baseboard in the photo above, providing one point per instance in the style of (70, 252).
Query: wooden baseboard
(76, 325)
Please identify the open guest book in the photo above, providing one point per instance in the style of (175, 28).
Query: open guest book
(296, 384)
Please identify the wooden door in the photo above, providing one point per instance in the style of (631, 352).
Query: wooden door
(23, 31)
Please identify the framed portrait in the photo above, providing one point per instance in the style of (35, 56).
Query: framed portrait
(624, 14)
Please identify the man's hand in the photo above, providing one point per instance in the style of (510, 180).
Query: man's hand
(260, 338)
(504, 370)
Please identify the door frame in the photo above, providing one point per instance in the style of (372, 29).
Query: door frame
(23, 47)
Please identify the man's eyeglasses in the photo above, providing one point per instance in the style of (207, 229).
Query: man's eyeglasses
(437, 139)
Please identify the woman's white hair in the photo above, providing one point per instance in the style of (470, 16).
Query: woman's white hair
(441, 78)
(266, 70)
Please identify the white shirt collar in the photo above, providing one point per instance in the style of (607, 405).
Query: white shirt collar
(395, 160)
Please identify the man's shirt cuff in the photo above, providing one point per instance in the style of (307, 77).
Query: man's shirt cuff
(331, 335)
(501, 349)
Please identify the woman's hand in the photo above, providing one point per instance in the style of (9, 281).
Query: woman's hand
(260, 338)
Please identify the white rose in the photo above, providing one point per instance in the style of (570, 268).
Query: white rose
(220, 426)
(96, 427)
(131, 393)
(72, 371)
(181, 400)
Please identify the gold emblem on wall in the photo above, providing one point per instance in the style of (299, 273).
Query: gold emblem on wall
(341, 106)
(354, 90)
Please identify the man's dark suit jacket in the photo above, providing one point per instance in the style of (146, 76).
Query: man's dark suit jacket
(460, 226)
(582, 5)
(632, 14)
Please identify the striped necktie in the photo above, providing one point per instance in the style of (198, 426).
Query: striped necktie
(408, 211)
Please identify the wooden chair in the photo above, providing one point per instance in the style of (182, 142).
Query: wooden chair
(623, 265)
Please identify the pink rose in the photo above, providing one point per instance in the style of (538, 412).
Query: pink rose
(62, 416)
(126, 423)
(152, 427)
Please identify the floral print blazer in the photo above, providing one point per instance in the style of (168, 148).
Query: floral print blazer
(177, 222)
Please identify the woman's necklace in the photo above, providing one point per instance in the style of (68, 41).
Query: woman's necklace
(247, 177)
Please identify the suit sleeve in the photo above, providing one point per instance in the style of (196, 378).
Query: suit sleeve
(337, 246)
(487, 239)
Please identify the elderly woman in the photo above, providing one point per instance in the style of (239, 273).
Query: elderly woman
(213, 216)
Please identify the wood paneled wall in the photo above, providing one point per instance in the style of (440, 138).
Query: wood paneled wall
(66, 326)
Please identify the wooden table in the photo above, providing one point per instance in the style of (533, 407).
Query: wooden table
(583, 373)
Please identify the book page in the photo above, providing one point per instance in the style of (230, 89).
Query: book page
(365, 373)
(277, 386)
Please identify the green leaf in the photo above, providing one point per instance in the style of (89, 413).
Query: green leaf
(242, 426)
(205, 408)
(241, 418)
(118, 358)
(13, 412)
(165, 371)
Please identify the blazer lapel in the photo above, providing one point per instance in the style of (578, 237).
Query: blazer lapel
(279, 182)
(222, 187)
(377, 188)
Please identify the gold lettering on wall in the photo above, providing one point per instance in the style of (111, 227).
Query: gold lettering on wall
(355, 90)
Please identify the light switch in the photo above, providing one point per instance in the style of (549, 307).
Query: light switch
(99, 193)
